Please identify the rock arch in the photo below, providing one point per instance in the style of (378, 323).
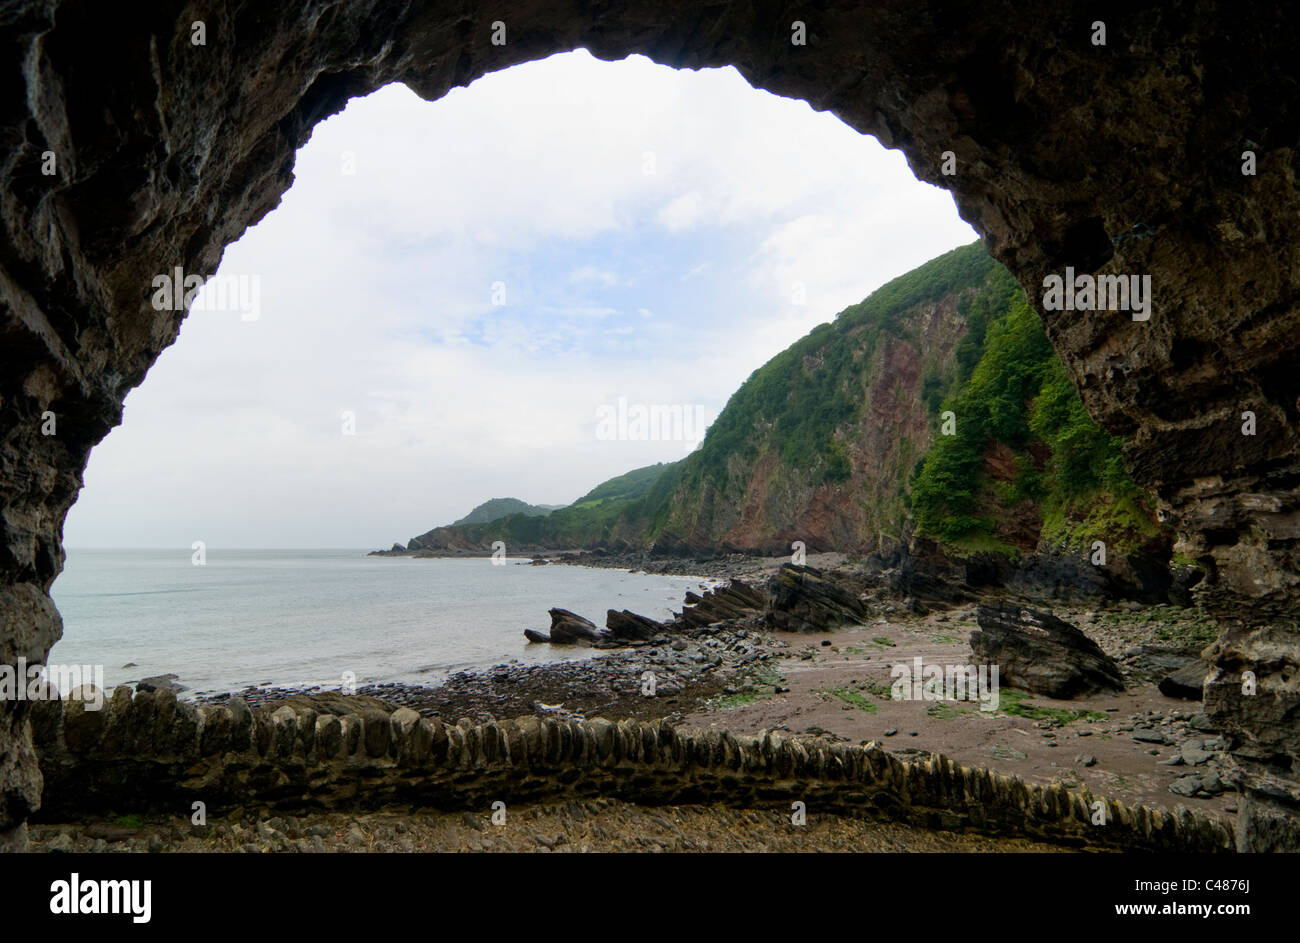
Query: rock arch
(1123, 158)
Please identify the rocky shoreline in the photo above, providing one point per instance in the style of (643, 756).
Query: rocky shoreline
(805, 652)
(706, 566)
(734, 644)
(746, 566)
(688, 669)
(1138, 747)
(715, 647)
(920, 568)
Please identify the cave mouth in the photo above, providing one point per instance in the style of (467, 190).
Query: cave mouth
(166, 149)
(366, 270)
(662, 255)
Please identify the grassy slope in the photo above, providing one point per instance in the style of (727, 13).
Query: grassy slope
(616, 512)
(497, 508)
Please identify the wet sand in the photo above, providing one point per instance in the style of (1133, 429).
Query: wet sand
(842, 690)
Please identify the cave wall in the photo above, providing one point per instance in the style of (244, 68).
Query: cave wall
(1124, 157)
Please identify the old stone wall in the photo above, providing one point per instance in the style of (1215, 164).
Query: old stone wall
(151, 752)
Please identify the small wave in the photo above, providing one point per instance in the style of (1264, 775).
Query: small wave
(146, 592)
(447, 667)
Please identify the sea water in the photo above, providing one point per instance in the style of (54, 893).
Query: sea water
(298, 618)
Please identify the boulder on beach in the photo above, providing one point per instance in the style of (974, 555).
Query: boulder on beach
(804, 599)
(1037, 652)
(630, 626)
(159, 683)
(1157, 661)
(569, 628)
(1187, 682)
(733, 600)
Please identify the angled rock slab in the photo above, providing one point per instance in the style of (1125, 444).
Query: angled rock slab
(1039, 653)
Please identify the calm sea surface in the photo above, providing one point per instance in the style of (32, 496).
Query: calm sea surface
(304, 617)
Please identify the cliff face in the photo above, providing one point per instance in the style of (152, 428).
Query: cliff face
(940, 388)
(766, 503)
(1127, 157)
(817, 446)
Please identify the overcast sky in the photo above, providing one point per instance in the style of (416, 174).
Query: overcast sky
(647, 229)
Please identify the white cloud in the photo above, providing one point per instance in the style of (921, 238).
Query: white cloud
(683, 212)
